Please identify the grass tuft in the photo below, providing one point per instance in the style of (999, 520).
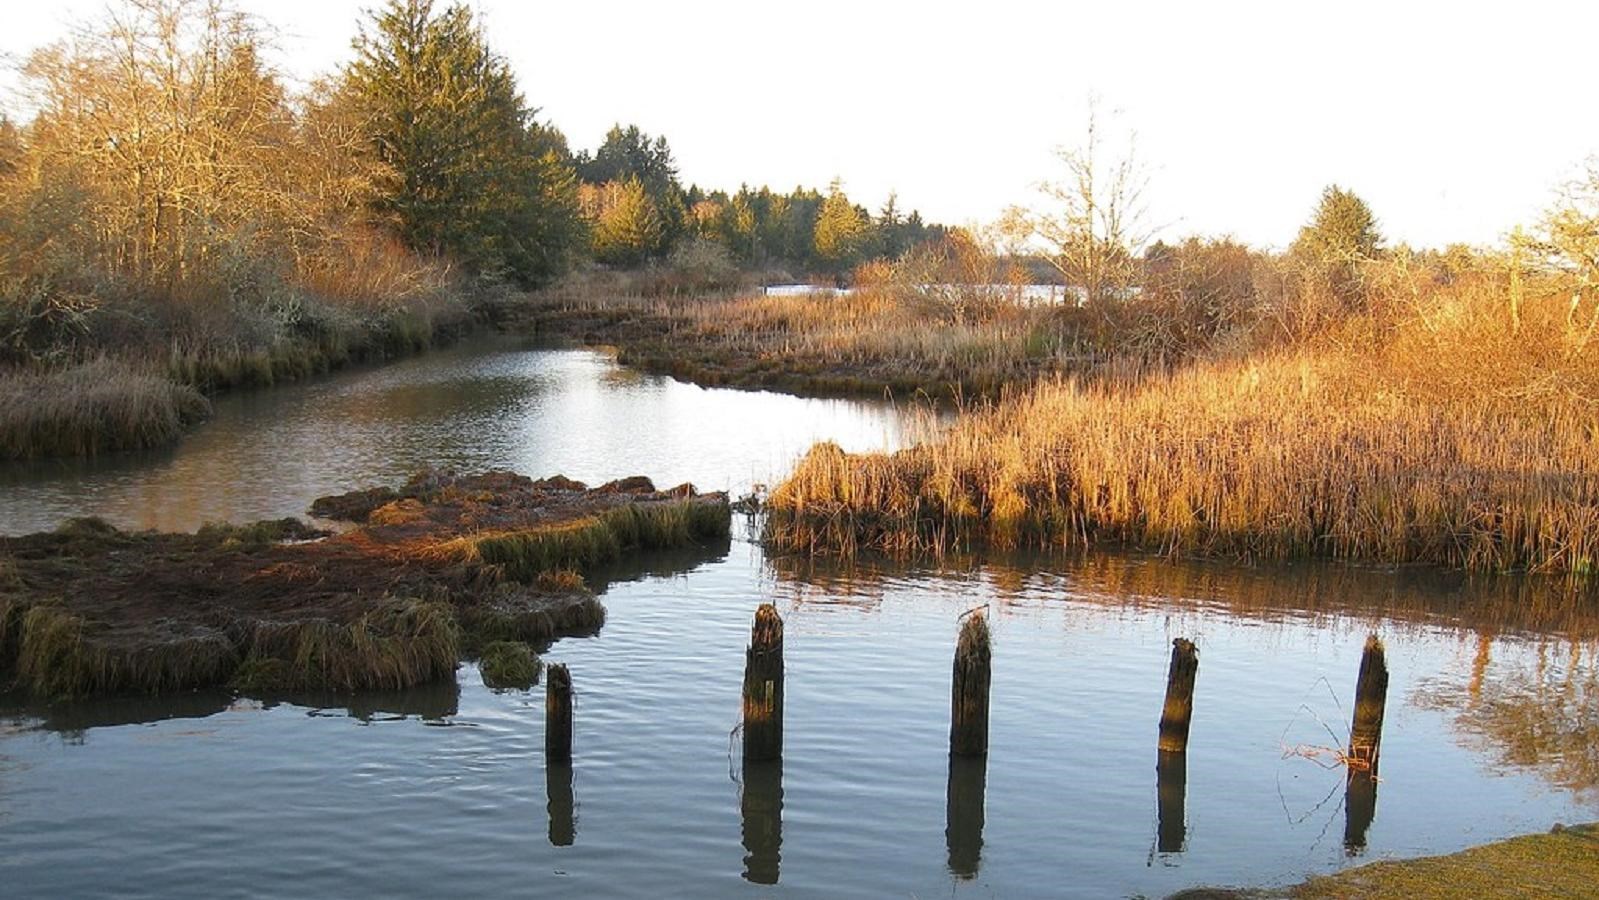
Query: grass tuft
(509, 665)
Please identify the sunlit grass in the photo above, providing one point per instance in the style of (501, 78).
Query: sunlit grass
(1459, 444)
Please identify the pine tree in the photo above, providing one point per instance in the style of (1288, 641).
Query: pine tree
(627, 224)
(1342, 229)
(841, 231)
(462, 170)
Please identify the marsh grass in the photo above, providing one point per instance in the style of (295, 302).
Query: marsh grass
(508, 620)
(525, 555)
(136, 367)
(1563, 863)
(101, 406)
(864, 342)
(50, 656)
(279, 607)
(397, 645)
(1409, 444)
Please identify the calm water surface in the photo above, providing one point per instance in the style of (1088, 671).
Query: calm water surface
(1492, 728)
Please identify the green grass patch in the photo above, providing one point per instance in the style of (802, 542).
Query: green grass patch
(509, 665)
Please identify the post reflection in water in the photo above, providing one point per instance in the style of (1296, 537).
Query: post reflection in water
(558, 785)
(762, 809)
(963, 829)
(1360, 807)
(1171, 793)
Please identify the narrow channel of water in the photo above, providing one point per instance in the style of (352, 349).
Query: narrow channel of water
(482, 405)
(1491, 724)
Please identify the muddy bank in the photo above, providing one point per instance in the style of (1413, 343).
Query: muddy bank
(417, 578)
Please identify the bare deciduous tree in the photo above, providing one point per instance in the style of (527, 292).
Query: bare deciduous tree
(1094, 220)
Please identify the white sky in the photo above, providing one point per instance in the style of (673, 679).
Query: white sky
(1455, 121)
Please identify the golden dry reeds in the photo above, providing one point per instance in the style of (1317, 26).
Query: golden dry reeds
(1358, 453)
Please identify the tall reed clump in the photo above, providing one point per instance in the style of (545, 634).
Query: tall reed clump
(1293, 455)
(100, 406)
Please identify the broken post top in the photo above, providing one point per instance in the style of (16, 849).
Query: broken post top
(1373, 679)
(767, 632)
(1184, 647)
(973, 642)
(557, 678)
(1374, 646)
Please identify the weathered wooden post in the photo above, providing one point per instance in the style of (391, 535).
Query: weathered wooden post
(763, 687)
(968, 727)
(963, 813)
(761, 808)
(1171, 763)
(1371, 698)
(1179, 708)
(1365, 745)
(558, 788)
(558, 715)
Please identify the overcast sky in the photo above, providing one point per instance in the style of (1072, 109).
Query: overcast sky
(1455, 121)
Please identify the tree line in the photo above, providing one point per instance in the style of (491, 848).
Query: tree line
(164, 150)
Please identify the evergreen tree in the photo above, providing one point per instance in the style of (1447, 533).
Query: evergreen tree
(842, 231)
(462, 169)
(627, 224)
(1342, 229)
(631, 153)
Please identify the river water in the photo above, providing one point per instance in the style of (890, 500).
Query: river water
(1491, 727)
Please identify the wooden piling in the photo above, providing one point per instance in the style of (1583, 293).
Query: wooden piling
(763, 687)
(968, 728)
(1371, 698)
(1179, 708)
(558, 715)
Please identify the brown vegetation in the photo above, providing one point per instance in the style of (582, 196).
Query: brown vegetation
(875, 339)
(450, 565)
(101, 405)
(1425, 425)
